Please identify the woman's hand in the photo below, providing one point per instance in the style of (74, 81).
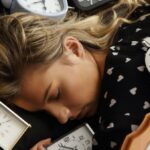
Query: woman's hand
(41, 144)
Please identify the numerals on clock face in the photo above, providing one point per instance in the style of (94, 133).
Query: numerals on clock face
(4, 124)
(12, 127)
(43, 6)
(79, 139)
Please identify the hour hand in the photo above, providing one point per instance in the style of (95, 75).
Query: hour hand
(66, 147)
(39, 1)
(44, 4)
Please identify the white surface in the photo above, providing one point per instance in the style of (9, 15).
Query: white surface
(55, 9)
(147, 60)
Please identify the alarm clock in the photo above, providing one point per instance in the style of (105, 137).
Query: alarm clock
(79, 139)
(12, 127)
(55, 9)
(146, 44)
(87, 5)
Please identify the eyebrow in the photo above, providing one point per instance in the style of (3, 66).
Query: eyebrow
(46, 94)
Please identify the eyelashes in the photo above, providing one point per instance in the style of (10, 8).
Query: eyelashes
(55, 96)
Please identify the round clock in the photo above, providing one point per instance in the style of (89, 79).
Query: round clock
(12, 127)
(86, 5)
(79, 139)
(55, 9)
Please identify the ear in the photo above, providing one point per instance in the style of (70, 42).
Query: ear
(73, 45)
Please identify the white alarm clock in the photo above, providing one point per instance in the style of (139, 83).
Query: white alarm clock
(55, 9)
(12, 127)
(146, 44)
(79, 139)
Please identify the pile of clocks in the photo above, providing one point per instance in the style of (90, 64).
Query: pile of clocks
(12, 128)
(55, 9)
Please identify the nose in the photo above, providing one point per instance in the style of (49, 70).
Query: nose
(64, 115)
(60, 112)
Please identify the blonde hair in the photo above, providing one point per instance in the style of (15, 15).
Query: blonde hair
(31, 39)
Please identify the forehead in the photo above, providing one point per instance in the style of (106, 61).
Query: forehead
(34, 82)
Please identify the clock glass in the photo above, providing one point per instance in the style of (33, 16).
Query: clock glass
(12, 127)
(79, 139)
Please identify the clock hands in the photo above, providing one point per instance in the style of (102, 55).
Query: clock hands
(37, 2)
(91, 1)
(44, 4)
(41, 2)
(67, 147)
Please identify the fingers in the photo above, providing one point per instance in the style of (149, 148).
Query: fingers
(41, 144)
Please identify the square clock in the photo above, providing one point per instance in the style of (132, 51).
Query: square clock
(80, 138)
(12, 127)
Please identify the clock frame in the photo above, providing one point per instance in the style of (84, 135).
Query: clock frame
(12, 127)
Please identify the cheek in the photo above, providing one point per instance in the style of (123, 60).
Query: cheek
(73, 96)
(76, 91)
(81, 97)
(33, 98)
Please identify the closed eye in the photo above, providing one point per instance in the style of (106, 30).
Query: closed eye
(55, 96)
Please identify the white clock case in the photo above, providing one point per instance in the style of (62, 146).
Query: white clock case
(24, 123)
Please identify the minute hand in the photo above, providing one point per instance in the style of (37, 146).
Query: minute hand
(66, 147)
(44, 4)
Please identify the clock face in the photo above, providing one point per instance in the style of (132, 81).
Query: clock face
(79, 139)
(11, 127)
(90, 4)
(42, 6)
(148, 147)
(86, 3)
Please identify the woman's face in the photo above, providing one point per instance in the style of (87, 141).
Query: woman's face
(68, 88)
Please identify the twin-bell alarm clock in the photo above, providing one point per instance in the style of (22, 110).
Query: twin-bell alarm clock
(55, 9)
